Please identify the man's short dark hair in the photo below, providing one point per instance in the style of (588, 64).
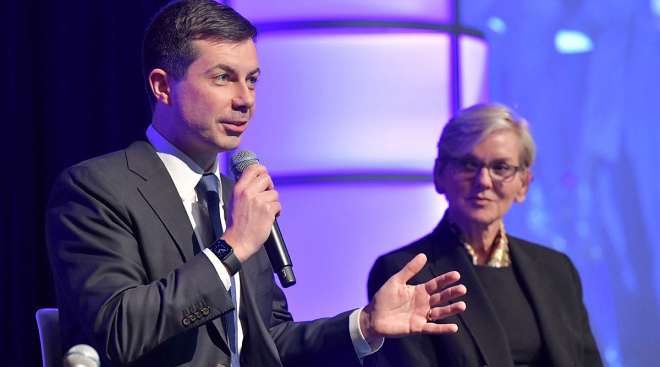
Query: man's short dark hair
(168, 39)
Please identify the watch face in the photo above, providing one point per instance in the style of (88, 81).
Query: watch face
(221, 249)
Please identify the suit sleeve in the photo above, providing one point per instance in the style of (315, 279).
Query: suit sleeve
(106, 295)
(588, 348)
(322, 342)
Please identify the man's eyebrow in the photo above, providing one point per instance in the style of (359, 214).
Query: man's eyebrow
(230, 69)
(221, 66)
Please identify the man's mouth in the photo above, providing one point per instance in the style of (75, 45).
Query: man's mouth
(234, 126)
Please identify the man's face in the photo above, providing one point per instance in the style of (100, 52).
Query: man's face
(215, 99)
(480, 199)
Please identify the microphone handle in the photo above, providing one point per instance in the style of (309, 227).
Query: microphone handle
(279, 257)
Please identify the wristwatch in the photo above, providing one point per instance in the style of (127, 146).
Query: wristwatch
(225, 253)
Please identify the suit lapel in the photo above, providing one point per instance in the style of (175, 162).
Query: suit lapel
(479, 319)
(159, 191)
(531, 278)
(227, 187)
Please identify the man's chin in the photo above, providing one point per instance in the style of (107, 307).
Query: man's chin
(228, 143)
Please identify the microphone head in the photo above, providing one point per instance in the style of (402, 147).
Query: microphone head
(82, 355)
(241, 160)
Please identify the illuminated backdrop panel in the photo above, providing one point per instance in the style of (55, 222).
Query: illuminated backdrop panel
(352, 100)
(294, 10)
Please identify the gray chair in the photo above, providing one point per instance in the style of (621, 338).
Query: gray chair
(48, 322)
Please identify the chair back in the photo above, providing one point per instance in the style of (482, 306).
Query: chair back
(48, 322)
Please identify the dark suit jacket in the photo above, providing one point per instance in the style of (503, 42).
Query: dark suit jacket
(128, 282)
(547, 276)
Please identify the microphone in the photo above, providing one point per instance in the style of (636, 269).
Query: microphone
(81, 355)
(275, 246)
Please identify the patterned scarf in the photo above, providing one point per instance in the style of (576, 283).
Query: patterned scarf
(499, 254)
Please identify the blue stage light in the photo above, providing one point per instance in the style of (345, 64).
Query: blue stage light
(497, 25)
(572, 42)
(655, 7)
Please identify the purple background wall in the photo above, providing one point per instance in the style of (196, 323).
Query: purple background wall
(351, 139)
(353, 97)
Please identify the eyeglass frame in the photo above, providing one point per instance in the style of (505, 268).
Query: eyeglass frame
(460, 165)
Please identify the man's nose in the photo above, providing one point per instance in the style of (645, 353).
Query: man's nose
(244, 97)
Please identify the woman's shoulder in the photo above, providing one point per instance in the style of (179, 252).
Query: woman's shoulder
(539, 252)
(407, 252)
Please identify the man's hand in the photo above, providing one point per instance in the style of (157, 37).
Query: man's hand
(255, 205)
(399, 309)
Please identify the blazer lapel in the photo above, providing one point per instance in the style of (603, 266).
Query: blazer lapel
(160, 193)
(542, 301)
(479, 318)
(227, 187)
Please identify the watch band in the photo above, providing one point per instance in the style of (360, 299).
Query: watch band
(225, 253)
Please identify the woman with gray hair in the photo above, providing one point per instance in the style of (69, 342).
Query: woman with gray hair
(524, 301)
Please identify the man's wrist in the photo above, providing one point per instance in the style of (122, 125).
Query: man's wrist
(363, 346)
(225, 253)
(365, 323)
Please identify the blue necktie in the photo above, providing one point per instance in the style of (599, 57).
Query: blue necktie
(208, 186)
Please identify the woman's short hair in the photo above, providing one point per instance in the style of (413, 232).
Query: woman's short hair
(473, 124)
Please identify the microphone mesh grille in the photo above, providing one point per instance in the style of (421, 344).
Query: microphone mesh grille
(241, 160)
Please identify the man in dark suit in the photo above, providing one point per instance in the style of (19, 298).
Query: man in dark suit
(158, 259)
(525, 300)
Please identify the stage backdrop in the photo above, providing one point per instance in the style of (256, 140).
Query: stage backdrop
(350, 139)
(353, 97)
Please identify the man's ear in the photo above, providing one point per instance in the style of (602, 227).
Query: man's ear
(437, 170)
(160, 86)
(526, 179)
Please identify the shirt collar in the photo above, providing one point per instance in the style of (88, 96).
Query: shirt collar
(184, 171)
(499, 256)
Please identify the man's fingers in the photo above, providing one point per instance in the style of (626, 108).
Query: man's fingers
(446, 295)
(250, 172)
(253, 175)
(433, 328)
(439, 313)
(269, 196)
(412, 267)
(436, 284)
(255, 179)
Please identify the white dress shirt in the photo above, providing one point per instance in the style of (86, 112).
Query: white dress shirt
(186, 175)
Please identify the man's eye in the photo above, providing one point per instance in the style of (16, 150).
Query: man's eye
(252, 80)
(222, 77)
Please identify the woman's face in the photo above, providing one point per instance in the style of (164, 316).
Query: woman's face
(481, 186)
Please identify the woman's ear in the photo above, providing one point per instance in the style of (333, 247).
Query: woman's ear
(526, 179)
